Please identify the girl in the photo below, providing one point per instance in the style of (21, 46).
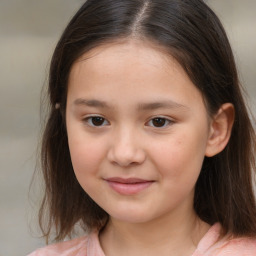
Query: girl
(148, 145)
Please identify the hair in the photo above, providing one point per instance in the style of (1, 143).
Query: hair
(189, 31)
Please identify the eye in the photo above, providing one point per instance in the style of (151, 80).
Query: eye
(96, 121)
(159, 122)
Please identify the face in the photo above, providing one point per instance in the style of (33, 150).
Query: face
(137, 131)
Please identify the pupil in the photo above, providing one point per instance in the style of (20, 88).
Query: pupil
(159, 122)
(97, 121)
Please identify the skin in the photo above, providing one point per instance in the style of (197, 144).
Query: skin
(128, 85)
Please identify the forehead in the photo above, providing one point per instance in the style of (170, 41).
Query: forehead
(132, 51)
(130, 68)
(125, 57)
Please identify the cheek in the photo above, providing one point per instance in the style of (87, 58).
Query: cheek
(180, 158)
(85, 155)
(86, 159)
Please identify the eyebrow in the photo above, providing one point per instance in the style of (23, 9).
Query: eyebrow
(163, 104)
(91, 103)
(141, 107)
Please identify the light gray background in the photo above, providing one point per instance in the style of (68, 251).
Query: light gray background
(29, 30)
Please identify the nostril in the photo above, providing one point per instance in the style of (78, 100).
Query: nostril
(126, 156)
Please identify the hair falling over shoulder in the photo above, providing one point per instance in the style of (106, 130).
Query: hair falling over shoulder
(190, 32)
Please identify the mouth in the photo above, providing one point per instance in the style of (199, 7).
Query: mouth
(130, 186)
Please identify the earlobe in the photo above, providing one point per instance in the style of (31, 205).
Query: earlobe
(220, 130)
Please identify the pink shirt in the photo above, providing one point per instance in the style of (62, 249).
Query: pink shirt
(208, 246)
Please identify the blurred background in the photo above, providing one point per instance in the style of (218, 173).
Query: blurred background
(29, 30)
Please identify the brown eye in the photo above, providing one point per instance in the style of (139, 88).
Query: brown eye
(159, 122)
(96, 121)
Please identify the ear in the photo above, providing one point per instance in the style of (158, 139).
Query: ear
(220, 129)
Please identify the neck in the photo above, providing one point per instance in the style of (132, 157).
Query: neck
(162, 236)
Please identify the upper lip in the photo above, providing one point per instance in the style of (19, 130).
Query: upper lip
(127, 180)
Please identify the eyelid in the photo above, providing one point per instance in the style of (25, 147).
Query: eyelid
(169, 121)
(86, 119)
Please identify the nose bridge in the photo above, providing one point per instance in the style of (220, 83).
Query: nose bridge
(126, 147)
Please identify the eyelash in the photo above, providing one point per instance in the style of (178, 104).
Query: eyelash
(103, 122)
(167, 122)
(89, 121)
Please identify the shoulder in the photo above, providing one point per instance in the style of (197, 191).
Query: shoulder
(212, 245)
(237, 247)
(75, 247)
(83, 246)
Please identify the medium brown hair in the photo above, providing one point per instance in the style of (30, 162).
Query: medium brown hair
(190, 32)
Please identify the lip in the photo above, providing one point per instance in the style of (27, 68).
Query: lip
(130, 186)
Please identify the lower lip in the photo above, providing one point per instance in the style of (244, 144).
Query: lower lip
(129, 188)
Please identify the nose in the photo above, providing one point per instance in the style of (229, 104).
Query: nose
(126, 149)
